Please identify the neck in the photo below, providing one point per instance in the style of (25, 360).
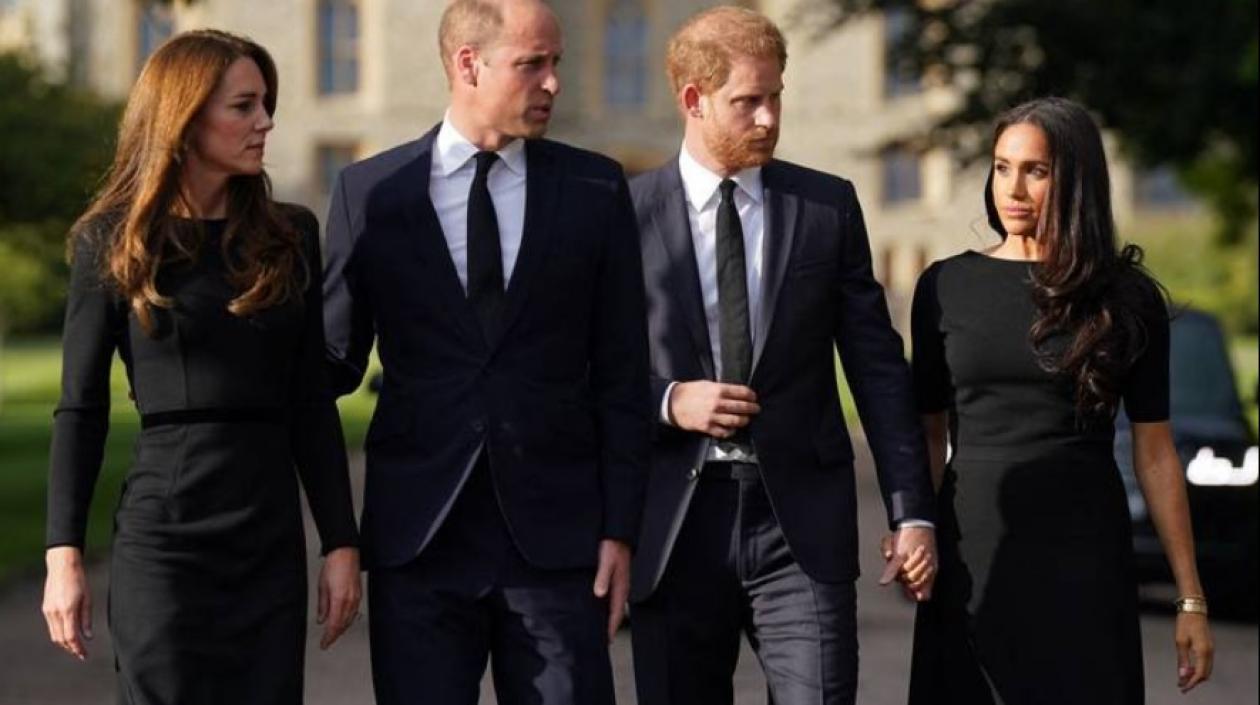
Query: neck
(482, 136)
(1022, 247)
(694, 142)
(205, 193)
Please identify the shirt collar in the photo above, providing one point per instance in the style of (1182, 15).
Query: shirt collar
(702, 185)
(453, 151)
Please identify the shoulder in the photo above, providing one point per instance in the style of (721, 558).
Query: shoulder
(300, 217)
(647, 188)
(578, 162)
(1137, 290)
(381, 165)
(810, 184)
(91, 237)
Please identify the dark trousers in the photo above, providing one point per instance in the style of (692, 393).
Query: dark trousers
(470, 597)
(730, 572)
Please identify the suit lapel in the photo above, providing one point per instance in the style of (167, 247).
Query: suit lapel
(542, 191)
(672, 224)
(782, 209)
(430, 243)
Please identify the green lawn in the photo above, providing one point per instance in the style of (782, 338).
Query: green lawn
(29, 375)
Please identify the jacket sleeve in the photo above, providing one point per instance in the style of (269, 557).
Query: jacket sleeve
(619, 373)
(348, 323)
(875, 365)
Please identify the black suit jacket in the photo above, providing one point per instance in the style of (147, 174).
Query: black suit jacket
(559, 400)
(819, 296)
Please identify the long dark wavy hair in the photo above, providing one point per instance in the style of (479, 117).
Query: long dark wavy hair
(144, 185)
(1088, 291)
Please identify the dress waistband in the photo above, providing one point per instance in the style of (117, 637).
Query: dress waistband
(193, 416)
(1030, 450)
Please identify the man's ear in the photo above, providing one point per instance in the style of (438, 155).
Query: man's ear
(466, 65)
(693, 101)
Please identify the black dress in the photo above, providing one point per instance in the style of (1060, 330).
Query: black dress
(207, 600)
(1036, 600)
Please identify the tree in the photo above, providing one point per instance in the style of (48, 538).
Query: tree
(55, 143)
(1176, 81)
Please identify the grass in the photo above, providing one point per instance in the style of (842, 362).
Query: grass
(30, 379)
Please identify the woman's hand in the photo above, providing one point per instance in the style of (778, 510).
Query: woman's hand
(339, 594)
(1194, 650)
(67, 602)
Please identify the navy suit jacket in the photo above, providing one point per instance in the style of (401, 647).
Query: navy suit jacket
(558, 400)
(819, 296)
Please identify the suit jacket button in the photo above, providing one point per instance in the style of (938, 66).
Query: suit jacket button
(693, 473)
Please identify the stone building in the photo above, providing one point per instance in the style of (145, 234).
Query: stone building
(358, 76)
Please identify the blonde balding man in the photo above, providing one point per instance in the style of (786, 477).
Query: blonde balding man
(498, 274)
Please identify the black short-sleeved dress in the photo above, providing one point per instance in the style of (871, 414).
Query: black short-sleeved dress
(1036, 600)
(207, 599)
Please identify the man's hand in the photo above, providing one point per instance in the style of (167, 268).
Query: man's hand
(711, 408)
(612, 580)
(339, 594)
(911, 556)
(67, 602)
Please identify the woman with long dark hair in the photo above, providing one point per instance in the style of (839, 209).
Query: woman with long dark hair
(1023, 355)
(210, 293)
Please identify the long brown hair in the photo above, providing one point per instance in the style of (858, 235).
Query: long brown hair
(1086, 287)
(143, 186)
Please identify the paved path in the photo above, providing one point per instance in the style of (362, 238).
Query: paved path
(33, 672)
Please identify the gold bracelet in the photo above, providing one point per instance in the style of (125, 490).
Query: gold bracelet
(1192, 605)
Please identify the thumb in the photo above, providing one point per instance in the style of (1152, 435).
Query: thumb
(321, 606)
(602, 578)
(892, 569)
(85, 615)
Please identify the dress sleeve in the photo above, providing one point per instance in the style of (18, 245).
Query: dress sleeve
(1146, 396)
(932, 388)
(94, 324)
(319, 447)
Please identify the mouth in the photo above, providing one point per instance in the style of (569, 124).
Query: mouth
(1020, 213)
(543, 111)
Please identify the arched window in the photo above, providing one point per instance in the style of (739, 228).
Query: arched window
(625, 54)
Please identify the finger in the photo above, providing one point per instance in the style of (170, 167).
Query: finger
(917, 577)
(737, 391)
(617, 606)
(891, 570)
(730, 420)
(70, 633)
(338, 620)
(915, 560)
(734, 406)
(53, 620)
(1202, 659)
(886, 546)
(719, 432)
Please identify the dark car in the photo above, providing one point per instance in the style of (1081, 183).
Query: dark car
(1217, 446)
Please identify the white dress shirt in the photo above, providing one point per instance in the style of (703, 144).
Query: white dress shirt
(450, 180)
(703, 197)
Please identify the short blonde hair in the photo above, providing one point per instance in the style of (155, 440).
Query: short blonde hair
(702, 50)
(474, 23)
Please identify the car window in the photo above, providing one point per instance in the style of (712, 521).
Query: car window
(1201, 378)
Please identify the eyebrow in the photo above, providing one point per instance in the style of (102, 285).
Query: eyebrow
(245, 94)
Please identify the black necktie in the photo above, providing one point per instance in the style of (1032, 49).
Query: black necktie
(485, 260)
(732, 279)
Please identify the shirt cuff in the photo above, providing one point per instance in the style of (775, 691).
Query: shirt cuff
(665, 404)
(915, 524)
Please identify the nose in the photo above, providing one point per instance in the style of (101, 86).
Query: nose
(766, 117)
(265, 123)
(551, 83)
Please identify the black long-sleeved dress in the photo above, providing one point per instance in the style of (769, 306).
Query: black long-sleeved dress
(1036, 600)
(207, 598)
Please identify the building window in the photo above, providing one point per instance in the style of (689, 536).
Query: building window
(330, 159)
(902, 176)
(338, 43)
(625, 55)
(1160, 189)
(156, 25)
(899, 79)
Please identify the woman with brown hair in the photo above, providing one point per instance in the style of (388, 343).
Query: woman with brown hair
(1023, 355)
(210, 293)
